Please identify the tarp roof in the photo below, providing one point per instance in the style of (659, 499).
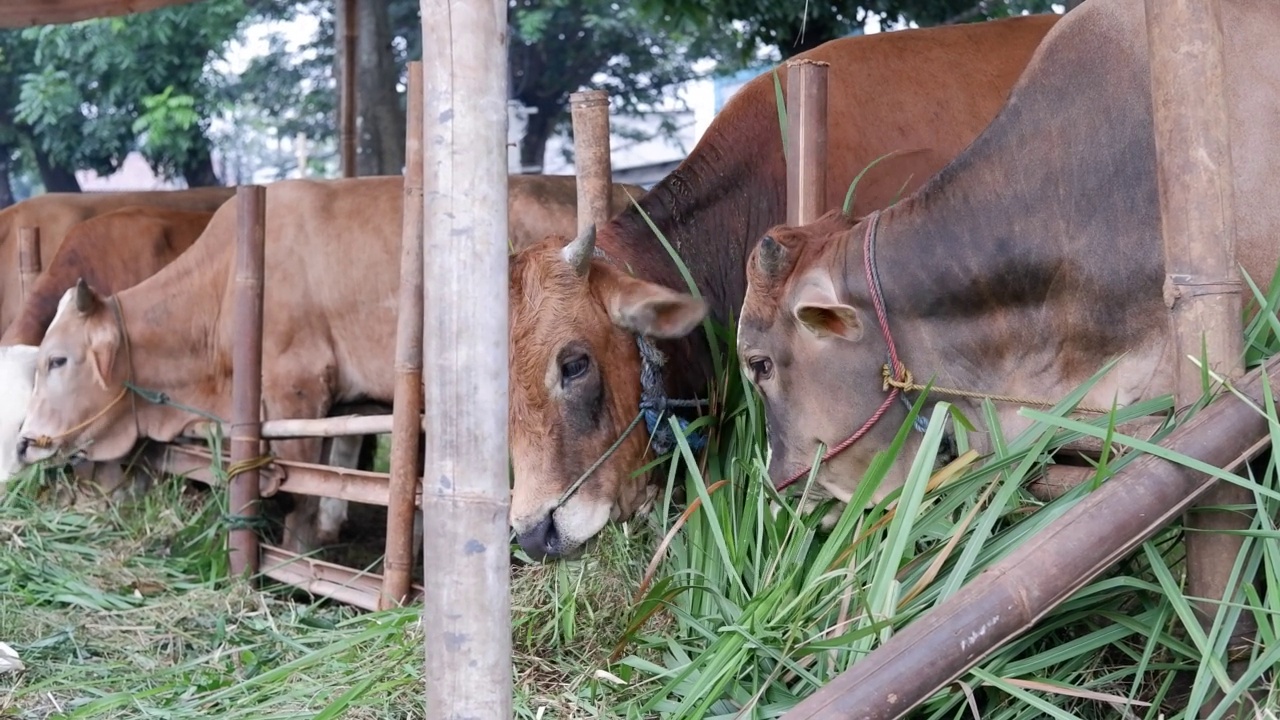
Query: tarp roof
(25, 13)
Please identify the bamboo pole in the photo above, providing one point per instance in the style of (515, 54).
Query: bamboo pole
(466, 495)
(305, 427)
(1009, 597)
(347, 119)
(1202, 285)
(806, 141)
(592, 163)
(407, 424)
(246, 380)
(28, 259)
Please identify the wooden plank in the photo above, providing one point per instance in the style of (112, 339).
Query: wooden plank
(346, 585)
(466, 541)
(29, 13)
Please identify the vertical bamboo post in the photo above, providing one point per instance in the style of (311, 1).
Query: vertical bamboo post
(590, 112)
(28, 259)
(1202, 285)
(466, 492)
(407, 406)
(246, 369)
(806, 141)
(347, 121)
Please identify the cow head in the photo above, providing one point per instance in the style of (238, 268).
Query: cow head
(808, 341)
(17, 371)
(78, 401)
(575, 387)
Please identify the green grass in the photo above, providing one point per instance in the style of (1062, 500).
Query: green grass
(128, 613)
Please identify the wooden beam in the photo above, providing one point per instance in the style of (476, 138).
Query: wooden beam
(29, 265)
(29, 13)
(806, 141)
(466, 497)
(246, 376)
(347, 95)
(1202, 285)
(407, 424)
(593, 164)
(1011, 596)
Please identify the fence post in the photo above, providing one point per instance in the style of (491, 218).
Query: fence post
(592, 162)
(466, 486)
(806, 141)
(407, 405)
(29, 265)
(1202, 283)
(246, 379)
(347, 111)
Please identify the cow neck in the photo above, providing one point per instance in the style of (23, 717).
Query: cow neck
(174, 351)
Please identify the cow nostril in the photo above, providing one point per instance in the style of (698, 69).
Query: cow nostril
(542, 540)
(23, 444)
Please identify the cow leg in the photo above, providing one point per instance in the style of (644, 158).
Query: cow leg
(299, 395)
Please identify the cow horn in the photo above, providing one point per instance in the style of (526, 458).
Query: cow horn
(86, 301)
(770, 256)
(578, 253)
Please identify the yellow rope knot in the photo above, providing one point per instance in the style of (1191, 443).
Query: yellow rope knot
(906, 383)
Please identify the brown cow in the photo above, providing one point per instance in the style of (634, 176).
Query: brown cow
(332, 253)
(111, 252)
(55, 213)
(1021, 268)
(576, 312)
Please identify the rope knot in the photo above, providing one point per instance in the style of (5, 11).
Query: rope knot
(904, 382)
(43, 442)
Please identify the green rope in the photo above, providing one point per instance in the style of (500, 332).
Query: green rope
(159, 398)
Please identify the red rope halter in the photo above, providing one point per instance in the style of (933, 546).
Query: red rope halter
(898, 369)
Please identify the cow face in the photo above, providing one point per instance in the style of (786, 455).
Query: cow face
(17, 371)
(809, 343)
(575, 386)
(78, 403)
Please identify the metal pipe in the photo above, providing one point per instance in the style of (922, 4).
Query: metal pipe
(28, 259)
(592, 162)
(246, 380)
(1009, 597)
(406, 418)
(466, 494)
(806, 140)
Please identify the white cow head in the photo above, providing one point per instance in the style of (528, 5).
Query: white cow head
(17, 374)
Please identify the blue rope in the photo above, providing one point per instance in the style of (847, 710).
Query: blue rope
(656, 406)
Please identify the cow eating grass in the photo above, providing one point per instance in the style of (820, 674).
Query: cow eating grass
(332, 253)
(596, 328)
(1019, 270)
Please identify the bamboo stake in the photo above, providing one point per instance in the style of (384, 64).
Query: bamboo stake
(246, 380)
(466, 495)
(28, 259)
(806, 140)
(347, 120)
(398, 565)
(1012, 595)
(1202, 286)
(593, 165)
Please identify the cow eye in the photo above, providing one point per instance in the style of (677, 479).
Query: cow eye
(56, 362)
(761, 367)
(574, 367)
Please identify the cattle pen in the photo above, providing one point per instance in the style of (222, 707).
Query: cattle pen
(451, 348)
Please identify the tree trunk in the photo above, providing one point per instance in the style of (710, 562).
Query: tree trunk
(533, 146)
(380, 139)
(6, 168)
(54, 177)
(198, 170)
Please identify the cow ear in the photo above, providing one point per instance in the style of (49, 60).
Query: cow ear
(102, 355)
(652, 310)
(828, 320)
(820, 312)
